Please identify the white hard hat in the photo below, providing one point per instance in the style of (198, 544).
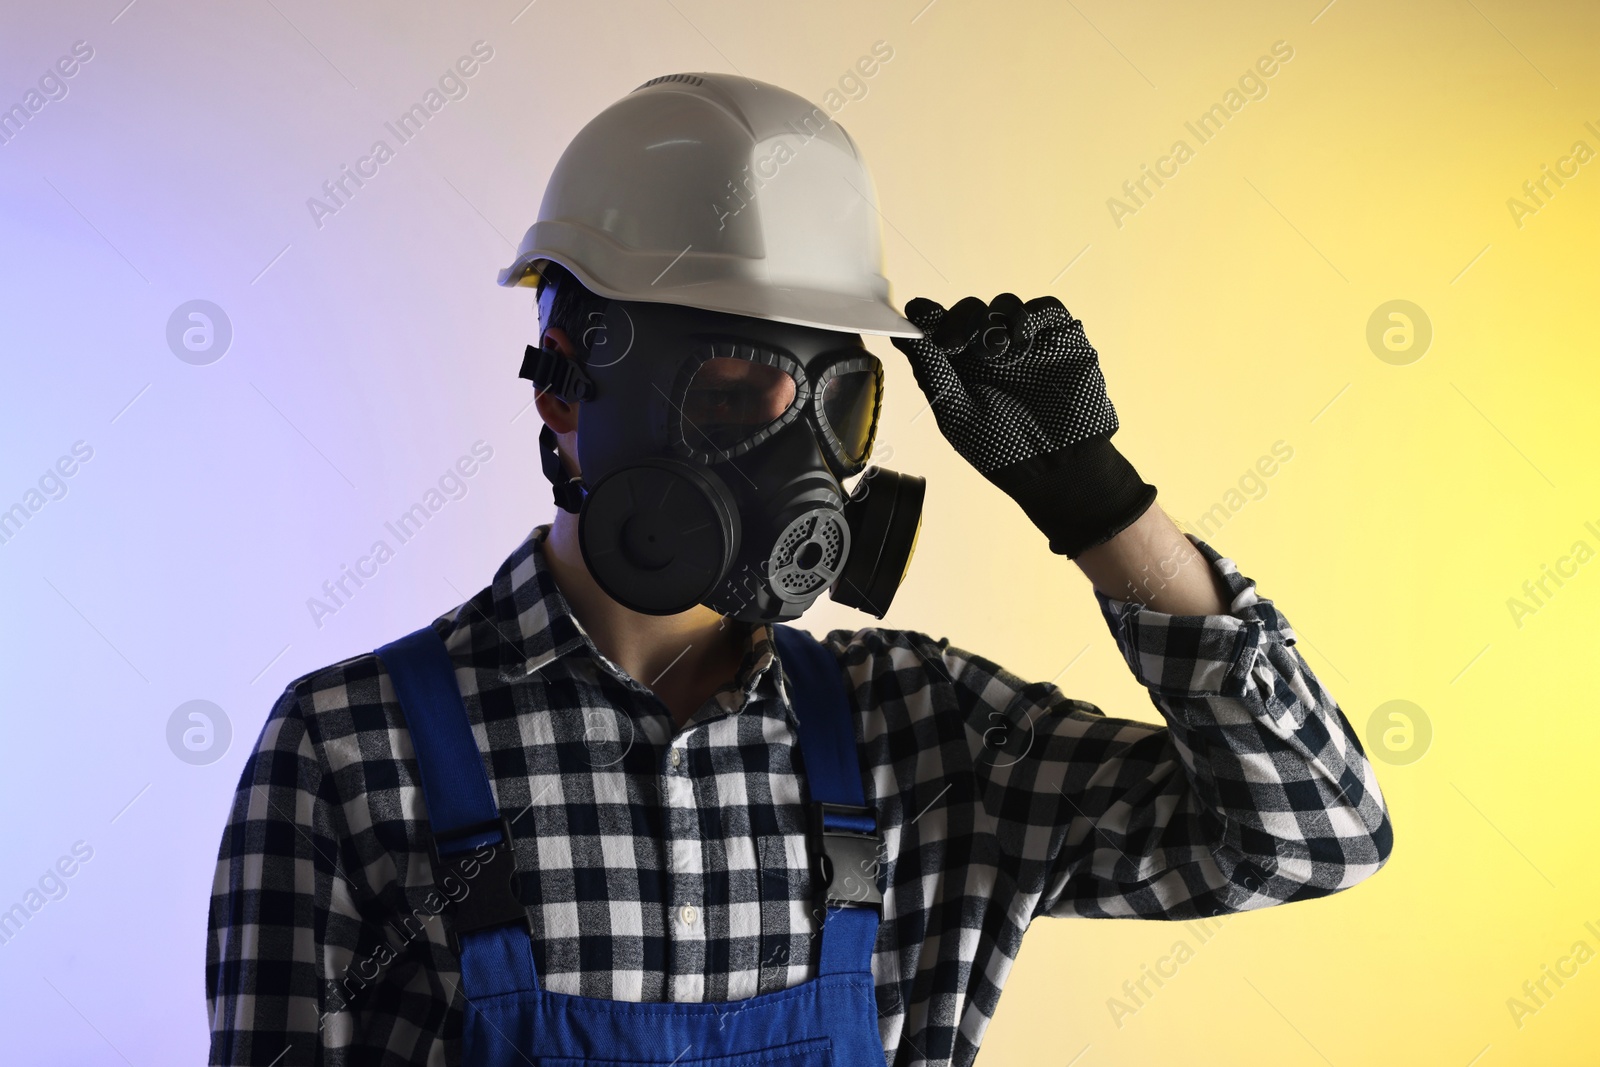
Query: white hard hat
(718, 192)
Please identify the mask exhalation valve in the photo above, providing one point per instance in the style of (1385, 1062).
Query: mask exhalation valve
(809, 555)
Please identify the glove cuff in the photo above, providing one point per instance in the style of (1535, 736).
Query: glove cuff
(1079, 496)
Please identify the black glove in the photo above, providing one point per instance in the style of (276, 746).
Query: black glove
(1017, 389)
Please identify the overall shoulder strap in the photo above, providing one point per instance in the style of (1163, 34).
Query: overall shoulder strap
(844, 829)
(471, 840)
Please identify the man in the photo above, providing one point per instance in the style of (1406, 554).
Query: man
(607, 811)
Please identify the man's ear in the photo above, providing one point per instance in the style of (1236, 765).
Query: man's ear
(560, 416)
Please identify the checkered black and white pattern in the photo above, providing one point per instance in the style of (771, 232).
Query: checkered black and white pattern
(661, 865)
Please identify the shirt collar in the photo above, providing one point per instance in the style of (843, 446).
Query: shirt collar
(537, 627)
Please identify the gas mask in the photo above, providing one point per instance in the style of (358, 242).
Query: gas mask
(713, 449)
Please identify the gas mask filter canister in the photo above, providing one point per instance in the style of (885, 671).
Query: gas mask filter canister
(713, 448)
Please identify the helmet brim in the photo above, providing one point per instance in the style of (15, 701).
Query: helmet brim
(745, 292)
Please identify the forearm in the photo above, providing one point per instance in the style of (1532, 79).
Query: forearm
(1152, 563)
(1275, 793)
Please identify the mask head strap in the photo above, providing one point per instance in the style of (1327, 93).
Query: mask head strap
(551, 372)
(569, 492)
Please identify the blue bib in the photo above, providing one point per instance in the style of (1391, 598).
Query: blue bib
(829, 1021)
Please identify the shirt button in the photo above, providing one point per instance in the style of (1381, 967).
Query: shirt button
(688, 913)
(677, 757)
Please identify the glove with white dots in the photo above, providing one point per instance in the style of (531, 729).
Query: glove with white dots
(1017, 389)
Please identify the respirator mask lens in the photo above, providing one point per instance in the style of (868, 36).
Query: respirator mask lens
(735, 396)
(730, 401)
(851, 392)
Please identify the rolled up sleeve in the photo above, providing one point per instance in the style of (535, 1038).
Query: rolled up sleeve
(1255, 791)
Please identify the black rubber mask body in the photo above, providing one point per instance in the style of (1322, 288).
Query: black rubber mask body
(713, 448)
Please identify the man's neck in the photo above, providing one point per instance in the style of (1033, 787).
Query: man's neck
(682, 658)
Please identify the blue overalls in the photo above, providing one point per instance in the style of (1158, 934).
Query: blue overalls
(829, 1021)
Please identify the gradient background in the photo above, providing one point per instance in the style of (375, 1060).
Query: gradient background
(1231, 312)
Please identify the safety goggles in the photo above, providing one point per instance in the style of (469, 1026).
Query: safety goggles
(731, 396)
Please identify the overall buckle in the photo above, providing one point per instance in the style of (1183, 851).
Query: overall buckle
(850, 856)
(487, 896)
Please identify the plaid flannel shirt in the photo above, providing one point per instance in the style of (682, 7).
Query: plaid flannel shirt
(671, 864)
